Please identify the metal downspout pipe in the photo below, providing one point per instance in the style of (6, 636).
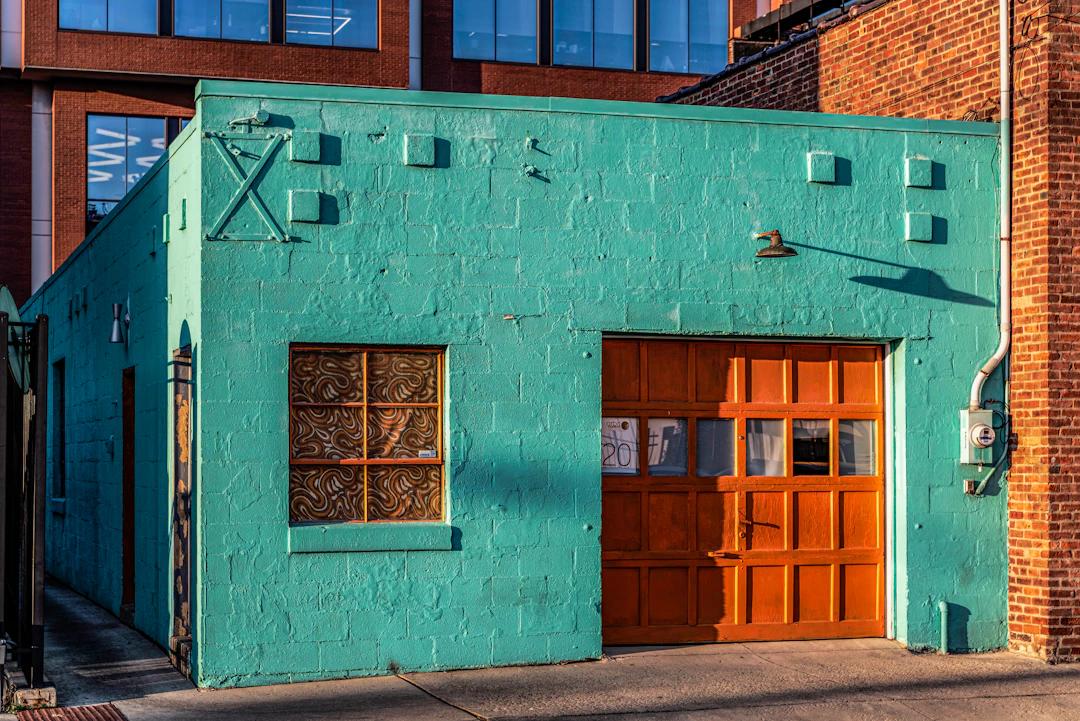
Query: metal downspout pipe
(1005, 334)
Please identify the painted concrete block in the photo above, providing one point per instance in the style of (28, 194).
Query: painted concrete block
(419, 149)
(638, 231)
(821, 167)
(305, 146)
(918, 172)
(303, 206)
(919, 227)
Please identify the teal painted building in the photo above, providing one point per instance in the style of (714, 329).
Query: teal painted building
(507, 237)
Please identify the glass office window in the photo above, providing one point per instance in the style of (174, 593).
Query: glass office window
(118, 151)
(226, 19)
(495, 30)
(474, 29)
(708, 35)
(593, 33)
(245, 20)
(668, 41)
(340, 23)
(515, 30)
(688, 36)
(118, 16)
(613, 35)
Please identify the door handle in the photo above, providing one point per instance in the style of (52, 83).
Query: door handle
(722, 554)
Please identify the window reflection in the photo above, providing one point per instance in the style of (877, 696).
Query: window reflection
(810, 447)
(118, 16)
(667, 447)
(688, 36)
(858, 443)
(119, 150)
(341, 23)
(515, 30)
(495, 30)
(593, 33)
(716, 447)
(764, 447)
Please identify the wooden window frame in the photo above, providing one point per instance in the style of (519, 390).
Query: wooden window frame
(365, 461)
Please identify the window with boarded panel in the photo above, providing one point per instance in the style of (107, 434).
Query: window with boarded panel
(365, 434)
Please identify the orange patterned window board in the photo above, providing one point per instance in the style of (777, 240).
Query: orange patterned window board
(365, 434)
(743, 491)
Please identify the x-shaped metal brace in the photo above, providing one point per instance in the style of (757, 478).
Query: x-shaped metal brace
(246, 190)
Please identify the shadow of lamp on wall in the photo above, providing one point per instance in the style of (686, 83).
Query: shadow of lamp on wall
(913, 281)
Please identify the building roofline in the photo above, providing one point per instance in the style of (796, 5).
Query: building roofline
(852, 10)
(470, 101)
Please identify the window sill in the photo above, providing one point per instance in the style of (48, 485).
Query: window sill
(360, 537)
(58, 506)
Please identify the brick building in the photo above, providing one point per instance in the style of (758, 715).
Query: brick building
(92, 90)
(934, 59)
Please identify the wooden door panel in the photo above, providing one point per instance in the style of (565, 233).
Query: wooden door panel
(668, 589)
(716, 521)
(669, 521)
(621, 527)
(813, 593)
(621, 595)
(811, 367)
(858, 592)
(695, 550)
(765, 521)
(716, 597)
(668, 374)
(766, 594)
(621, 374)
(859, 519)
(813, 520)
(714, 370)
(765, 382)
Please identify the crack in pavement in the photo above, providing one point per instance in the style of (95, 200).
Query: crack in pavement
(442, 700)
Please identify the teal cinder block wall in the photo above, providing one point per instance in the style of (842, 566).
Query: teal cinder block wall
(541, 226)
(143, 256)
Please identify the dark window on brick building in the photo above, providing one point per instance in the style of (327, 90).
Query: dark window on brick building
(119, 150)
(365, 434)
(340, 23)
(593, 33)
(117, 16)
(224, 19)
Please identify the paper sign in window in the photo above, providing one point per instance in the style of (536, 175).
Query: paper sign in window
(619, 446)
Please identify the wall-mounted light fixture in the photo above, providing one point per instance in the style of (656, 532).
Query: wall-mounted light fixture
(119, 325)
(776, 247)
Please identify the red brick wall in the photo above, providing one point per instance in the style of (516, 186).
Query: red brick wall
(442, 72)
(49, 49)
(938, 59)
(15, 187)
(72, 101)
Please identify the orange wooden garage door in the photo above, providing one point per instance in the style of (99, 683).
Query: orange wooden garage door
(743, 495)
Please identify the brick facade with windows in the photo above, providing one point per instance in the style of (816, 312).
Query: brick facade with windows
(73, 101)
(49, 49)
(938, 59)
(442, 72)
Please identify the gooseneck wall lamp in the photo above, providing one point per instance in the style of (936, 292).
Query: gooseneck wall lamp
(119, 325)
(776, 247)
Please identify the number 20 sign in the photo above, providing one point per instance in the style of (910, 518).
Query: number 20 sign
(619, 446)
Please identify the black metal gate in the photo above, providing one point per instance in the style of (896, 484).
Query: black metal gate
(24, 364)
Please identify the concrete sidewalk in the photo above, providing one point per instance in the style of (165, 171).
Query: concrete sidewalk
(92, 658)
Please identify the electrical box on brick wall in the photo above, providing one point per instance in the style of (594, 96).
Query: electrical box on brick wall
(977, 437)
